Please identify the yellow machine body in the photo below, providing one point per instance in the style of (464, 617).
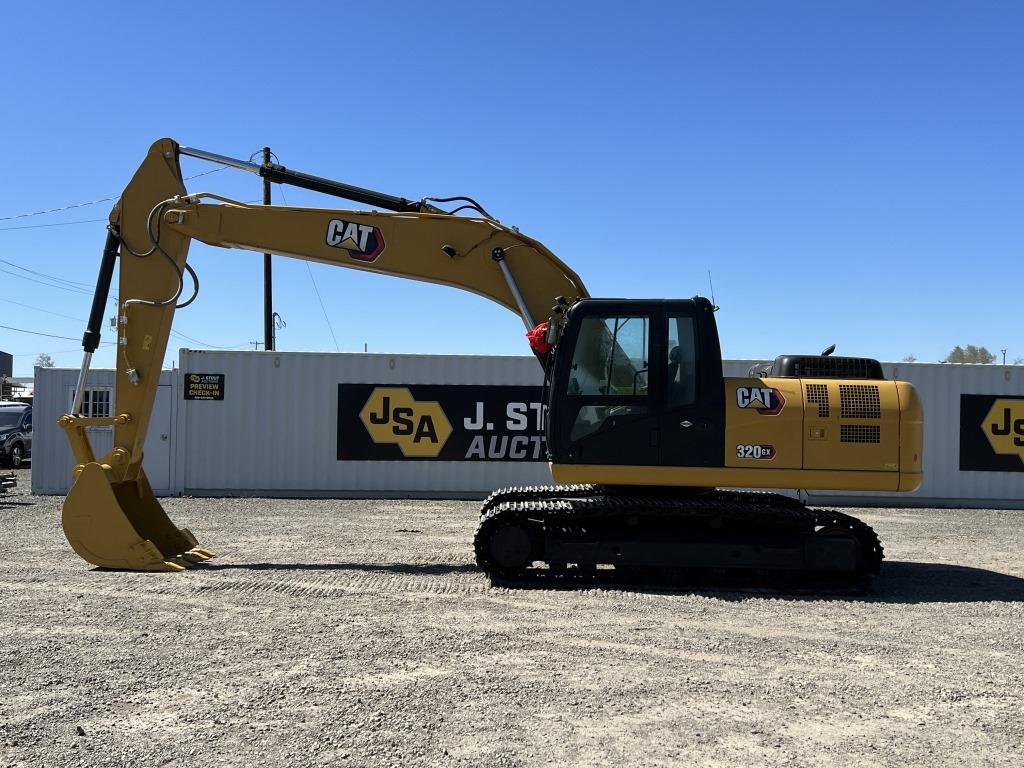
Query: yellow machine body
(829, 435)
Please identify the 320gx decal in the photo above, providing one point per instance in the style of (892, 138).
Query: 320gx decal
(751, 451)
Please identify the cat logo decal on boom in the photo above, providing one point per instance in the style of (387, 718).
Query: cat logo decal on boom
(362, 241)
(768, 401)
(393, 415)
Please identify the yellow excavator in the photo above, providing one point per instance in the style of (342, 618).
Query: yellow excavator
(643, 432)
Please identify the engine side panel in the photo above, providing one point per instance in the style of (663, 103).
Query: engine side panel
(823, 434)
(833, 424)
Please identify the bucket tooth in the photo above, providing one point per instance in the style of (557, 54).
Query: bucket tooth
(122, 525)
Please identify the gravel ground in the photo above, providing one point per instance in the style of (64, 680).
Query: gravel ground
(361, 633)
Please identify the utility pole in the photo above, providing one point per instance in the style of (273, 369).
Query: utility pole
(268, 278)
(1004, 356)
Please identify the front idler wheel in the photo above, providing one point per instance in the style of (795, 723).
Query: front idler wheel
(511, 548)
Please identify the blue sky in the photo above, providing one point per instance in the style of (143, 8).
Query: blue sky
(850, 172)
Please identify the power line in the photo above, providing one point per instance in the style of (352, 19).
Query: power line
(72, 283)
(280, 189)
(40, 309)
(58, 210)
(205, 173)
(73, 286)
(78, 319)
(50, 335)
(49, 285)
(91, 202)
(34, 354)
(322, 308)
(205, 344)
(59, 224)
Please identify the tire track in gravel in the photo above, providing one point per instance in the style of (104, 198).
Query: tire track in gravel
(338, 578)
(298, 584)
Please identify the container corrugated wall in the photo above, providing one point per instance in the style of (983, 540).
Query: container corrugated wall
(275, 432)
(276, 429)
(52, 460)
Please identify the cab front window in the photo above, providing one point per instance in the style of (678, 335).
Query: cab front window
(611, 356)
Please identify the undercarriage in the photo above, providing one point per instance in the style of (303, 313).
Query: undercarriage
(600, 533)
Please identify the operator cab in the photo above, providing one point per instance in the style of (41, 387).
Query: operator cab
(638, 382)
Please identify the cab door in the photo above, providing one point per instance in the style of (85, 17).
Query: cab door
(693, 414)
(605, 410)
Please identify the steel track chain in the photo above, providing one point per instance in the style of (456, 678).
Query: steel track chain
(537, 507)
(537, 492)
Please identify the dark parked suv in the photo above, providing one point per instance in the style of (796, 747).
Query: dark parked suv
(15, 433)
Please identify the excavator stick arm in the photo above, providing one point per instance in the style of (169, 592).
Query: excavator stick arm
(111, 517)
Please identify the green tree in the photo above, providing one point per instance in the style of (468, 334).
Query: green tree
(969, 354)
(44, 361)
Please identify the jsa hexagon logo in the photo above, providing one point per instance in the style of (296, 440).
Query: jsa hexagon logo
(393, 415)
(767, 401)
(362, 241)
(1004, 427)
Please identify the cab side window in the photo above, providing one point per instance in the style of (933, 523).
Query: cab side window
(682, 361)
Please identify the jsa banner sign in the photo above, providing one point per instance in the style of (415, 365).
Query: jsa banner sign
(992, 433)
(378, 422)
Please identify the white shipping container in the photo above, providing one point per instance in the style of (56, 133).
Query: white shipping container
(275, 433)
(52, 461)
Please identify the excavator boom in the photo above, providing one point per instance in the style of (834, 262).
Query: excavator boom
(111, 517)
(457, 251)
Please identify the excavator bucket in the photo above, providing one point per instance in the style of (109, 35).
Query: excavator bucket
(122, 525)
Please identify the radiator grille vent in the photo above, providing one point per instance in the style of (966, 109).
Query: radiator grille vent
(818, 394)
(860, 433)
(859, 401)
